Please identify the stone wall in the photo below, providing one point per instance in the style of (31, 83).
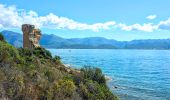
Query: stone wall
(31, 36)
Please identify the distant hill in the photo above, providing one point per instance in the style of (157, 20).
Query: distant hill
(13, 38)
(53, 41)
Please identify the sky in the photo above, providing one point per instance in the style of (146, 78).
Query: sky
(122, 20)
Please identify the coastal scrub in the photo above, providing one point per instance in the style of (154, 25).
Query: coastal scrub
(33, 74)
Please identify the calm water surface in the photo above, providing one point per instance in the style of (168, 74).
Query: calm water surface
(138, 74)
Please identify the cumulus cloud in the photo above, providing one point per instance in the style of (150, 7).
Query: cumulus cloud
(54, 21)
(11, 17)
(151, 17)
(164, 24)
(145, 27)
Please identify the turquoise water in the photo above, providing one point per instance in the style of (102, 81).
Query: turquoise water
(137, 74)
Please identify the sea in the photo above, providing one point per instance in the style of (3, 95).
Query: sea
(134, 74)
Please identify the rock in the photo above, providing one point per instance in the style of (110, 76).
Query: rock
(108, 78)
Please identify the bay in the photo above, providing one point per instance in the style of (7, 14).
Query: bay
(135, 74)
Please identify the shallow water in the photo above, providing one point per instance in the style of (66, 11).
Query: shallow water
(137, 74)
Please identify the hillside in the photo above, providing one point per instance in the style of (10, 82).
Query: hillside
(53, 41)
(13, 38)
(36, 75)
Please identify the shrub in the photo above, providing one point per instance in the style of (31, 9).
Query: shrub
(94, 74)
(2, 76)
(42, 53)
(64, 87)
(24, 52)
(38, 52)
(14, 87)
(50, 75)
(1, 37)
(8, 53)
(57, 59)
(34, 75)
(94, 91)
(94, 85)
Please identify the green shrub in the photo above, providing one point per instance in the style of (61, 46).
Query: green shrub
(14, 87)
(42, 53)
(36, 75)
(2, 76)
(64, 87)
(38, 52)
(9, 53)
(25, 52)
(94, 85)
(57, 59)
(50, 75)
(94, 91)
(1, 37)
(94, 74)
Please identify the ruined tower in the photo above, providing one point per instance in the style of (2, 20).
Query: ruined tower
(31, 36)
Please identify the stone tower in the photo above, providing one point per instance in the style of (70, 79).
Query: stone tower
(31, 36)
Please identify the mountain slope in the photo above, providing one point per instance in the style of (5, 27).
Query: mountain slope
(53, 41)
(13, 38)
(148, 44)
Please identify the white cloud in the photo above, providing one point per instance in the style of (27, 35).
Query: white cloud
(54, 21)
(164, 24)
(151, 17)
(11, 17)
(137, 27)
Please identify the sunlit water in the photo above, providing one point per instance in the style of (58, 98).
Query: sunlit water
(137, 74)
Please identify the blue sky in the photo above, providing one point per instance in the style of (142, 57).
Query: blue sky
(116, 19)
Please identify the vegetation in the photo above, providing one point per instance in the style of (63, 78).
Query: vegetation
(36, 75)
(1, 37)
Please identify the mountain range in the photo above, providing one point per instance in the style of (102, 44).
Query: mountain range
(53, 41)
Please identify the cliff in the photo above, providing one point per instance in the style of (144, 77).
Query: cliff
(36, 75)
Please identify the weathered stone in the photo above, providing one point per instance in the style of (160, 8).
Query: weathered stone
(31, 36)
